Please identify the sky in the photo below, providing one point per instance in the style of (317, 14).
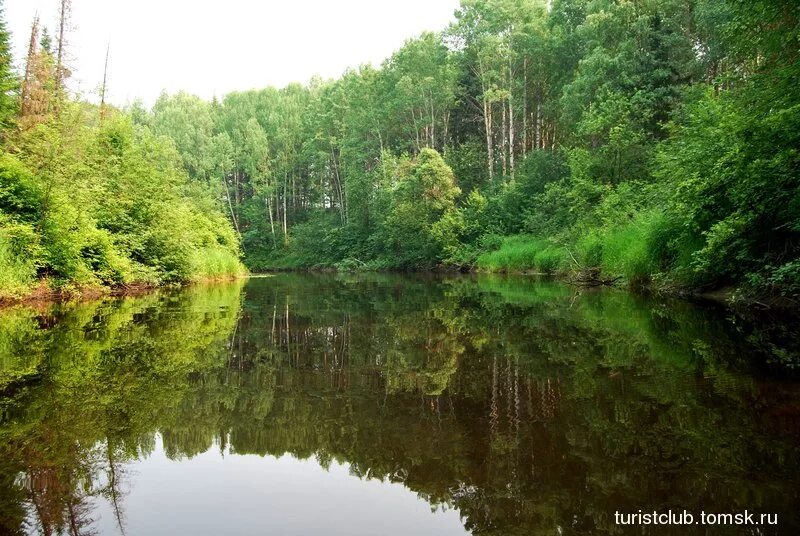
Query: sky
(212, 48)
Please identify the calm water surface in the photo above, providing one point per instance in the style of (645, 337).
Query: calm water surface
(393, 405)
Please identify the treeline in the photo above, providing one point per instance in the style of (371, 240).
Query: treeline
(653, 139)
(90, 199)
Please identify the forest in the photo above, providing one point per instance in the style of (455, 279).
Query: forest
(652, 143)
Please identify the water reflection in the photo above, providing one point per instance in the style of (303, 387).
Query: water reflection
(518, 406)
(218, 492)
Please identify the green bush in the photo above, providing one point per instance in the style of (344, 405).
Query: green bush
(589, 249)
(106, 263)
(214, 262)
(636, 250)
(17, 254)
(111, 207)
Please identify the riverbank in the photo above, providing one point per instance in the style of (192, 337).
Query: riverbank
(728, 296)
(44, 293)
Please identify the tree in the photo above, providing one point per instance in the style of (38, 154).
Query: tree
(38, 84)
(423, 211)
(187, 120)
(8, 79)
(421, 82)
(62, 73)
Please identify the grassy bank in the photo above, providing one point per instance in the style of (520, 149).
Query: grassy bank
(640, 251)
(523, 253)
(642, 254)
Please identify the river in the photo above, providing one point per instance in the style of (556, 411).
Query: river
(393, 404)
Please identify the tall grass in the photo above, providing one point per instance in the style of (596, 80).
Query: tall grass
(523, 253)
(648, 245)
(637, 250)
(215, 262)
(17, 273)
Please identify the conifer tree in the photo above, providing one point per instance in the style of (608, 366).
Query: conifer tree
(8, 80)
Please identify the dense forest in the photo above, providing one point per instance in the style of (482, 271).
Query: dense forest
(653, 142)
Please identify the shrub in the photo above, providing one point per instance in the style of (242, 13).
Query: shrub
(17, 254)
(214, 262)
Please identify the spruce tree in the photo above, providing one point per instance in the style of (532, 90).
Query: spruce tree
(8, 79)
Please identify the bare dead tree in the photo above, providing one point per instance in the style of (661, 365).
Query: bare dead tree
(64, 12)
(29, 66)
(104, 87)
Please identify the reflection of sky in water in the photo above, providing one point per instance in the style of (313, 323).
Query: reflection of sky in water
(238, 495)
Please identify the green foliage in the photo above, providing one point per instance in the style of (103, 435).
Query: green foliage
(187, 120)
(736, 195)
(656, 140)
(17, 253)
(423, 225)
(105, 205)
(8, 79)
(524, 253)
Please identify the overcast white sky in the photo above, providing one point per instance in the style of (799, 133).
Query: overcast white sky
(211, 48)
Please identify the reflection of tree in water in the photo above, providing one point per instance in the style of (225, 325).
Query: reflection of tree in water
(523, 406)
(113, 491)
(59, 495)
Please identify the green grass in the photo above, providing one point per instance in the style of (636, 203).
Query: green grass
(636, 250)
(626, 253)
(524, 253)
(274, 260)
(17, 274)
(215, 262)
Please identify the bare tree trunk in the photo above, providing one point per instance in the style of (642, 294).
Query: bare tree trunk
(236, 192)
(433, 120)
(510, 121)
(285, 224)
(511, 136)
(487, 120)
(105, 87)
(445, 140)
(230, 207)
(339, 191)
(504, 139)
(271, 221)
(416, 129)
(277, 203)
(525, 106)
(65, 8)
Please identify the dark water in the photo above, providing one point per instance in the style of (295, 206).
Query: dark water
(356, 405)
